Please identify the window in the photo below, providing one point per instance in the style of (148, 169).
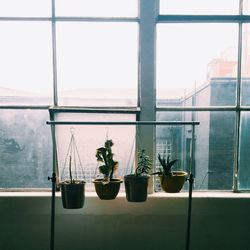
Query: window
(26, 150)
(196, 7)
(97, 8)
(25, 8)
(125, 60)
(26, 63)
(95, 56)
(206, 56)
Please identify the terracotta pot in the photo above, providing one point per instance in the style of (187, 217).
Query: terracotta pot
(136, 188)
(173, 183)
(73, 195)
(107, 191)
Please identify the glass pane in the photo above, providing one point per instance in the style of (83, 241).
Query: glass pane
(97, 8)
(25, 8)
(246, 7)
(26, 150)
(89, 138)
(214, 146)
(26, 63)
(97, 64)
(196, 64)
(244, 159)
(197, 7)
(245, 69)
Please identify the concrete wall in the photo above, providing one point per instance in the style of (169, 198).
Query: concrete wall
(160, 223)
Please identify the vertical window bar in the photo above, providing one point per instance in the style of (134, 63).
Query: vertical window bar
(148, 13)
(53, 25)
(238, 103)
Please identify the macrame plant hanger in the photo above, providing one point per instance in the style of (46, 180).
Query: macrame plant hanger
(72, 158)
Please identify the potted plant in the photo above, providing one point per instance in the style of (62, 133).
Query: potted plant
(136, 185)
(72, 190)
(107, 187)
(171, 181)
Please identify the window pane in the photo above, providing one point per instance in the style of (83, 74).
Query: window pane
(89, 138)
(25, 8)
(25, 147)
(197, 7)
(97, 64)
(196, 61)
(25, 62)
(246, 7)
(245, 69)
(244, 159)
(97, 8)
(214, 146)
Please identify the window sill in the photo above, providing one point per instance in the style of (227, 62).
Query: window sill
(195, 194)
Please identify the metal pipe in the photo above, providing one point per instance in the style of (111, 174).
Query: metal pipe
(191, 181)
(53, 180)
(124, 123)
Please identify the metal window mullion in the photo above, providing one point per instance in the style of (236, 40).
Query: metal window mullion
(148, 12)
(29, 19)
(96, 19)
(54, 55)
(203, 18)
(238, 103)
(34, 107)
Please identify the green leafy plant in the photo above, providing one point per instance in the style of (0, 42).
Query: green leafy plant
(144, 163)
(166, 165)
(105, 155)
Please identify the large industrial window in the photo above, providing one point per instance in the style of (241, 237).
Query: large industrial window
(125, 60)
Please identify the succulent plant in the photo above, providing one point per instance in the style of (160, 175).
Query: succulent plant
(105, 155)
(166, 165)
(144, 163)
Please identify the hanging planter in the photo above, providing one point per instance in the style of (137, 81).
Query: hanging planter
(136, 185)
(73, 189)
(171, 181)
(107, 187)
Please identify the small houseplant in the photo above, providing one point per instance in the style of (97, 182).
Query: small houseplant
(73, 189)
(171, 181)
(107, 187)
(136, 185)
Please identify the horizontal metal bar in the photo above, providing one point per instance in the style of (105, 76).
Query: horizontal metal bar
(25, 18)
(73, 19)
(245, 108)
(190, 108)
(118, 110)
(204, 18)
(44, 107)
(124, 123)
(97, 19)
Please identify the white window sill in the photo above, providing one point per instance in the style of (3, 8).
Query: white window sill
(195, 194)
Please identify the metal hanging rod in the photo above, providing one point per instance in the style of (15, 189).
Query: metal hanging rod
(124, 123)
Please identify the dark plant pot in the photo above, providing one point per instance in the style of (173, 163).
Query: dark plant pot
(136, 188)
(173, 183)
(73, 194)
(107, 191)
